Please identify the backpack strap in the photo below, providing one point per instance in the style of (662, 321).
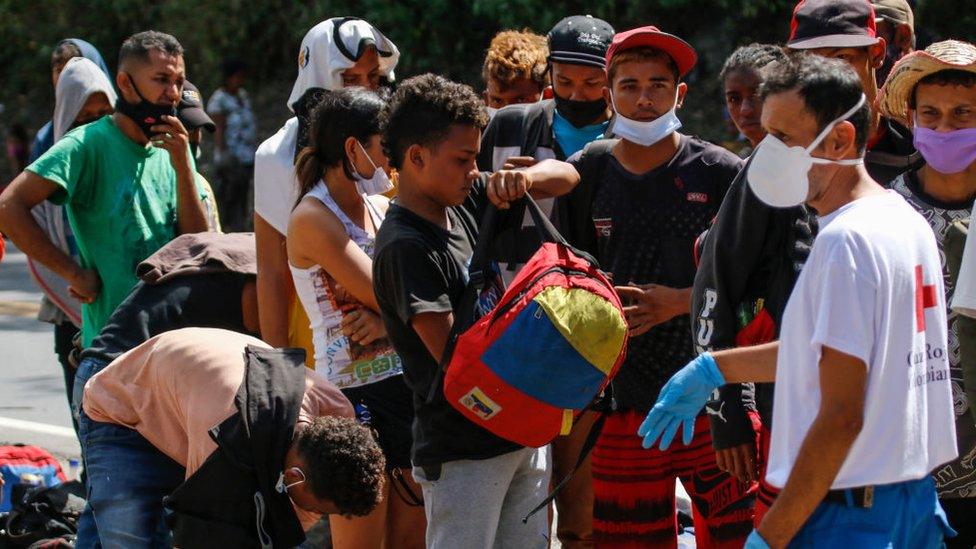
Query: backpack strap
(585, 450)
(574, 209)
(464, 316)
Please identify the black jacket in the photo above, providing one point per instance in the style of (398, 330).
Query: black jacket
(232, 500)
(749, 262)
(893, 154)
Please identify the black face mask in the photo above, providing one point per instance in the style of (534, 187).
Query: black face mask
(581, 113)
(144, 113)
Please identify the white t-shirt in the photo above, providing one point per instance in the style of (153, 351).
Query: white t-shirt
(964, 300)
(872, 289)
(275, 183)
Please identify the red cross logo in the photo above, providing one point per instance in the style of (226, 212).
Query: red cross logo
(925, 298)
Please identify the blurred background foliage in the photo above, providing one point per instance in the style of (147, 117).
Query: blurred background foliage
(444, 36)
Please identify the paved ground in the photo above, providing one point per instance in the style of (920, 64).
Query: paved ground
(33, 408)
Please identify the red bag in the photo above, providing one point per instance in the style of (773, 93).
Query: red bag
(528, 367)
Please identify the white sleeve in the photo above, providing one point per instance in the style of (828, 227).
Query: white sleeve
(845, 308)
(964, 296)
(275, 186)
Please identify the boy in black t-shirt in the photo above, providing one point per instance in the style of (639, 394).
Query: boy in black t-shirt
(641, 203)
(476, 486)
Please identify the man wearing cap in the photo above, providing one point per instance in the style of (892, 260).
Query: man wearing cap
(863, 405)
(896, 24)
(558, 128)
(195, 119)
(577, 114)
(127, 183)
(934, 93)
(336, 53)
(642, 201)
(847, 30)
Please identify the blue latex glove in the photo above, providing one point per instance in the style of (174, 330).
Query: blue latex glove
(681, 398)
(755, 541)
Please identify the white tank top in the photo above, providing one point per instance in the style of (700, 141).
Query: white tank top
(341, 360)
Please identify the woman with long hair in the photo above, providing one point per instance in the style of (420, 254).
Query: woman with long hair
(342, 174)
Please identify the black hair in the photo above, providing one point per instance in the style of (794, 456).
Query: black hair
(344, 464)
(948, 77)
(642, 53)
(422, 111)
(232, 66)
(65, 50)
(751, 58)
(140, 44)
(829, 88)
(343, 113)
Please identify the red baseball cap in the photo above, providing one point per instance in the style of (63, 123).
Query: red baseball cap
(681, 52)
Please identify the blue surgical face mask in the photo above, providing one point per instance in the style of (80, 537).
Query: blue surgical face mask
(649, 132)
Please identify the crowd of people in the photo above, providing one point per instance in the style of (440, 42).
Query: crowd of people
(802, 313)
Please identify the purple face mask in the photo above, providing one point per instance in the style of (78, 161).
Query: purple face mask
(946, 152)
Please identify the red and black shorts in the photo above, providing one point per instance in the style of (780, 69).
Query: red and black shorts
(633, 489)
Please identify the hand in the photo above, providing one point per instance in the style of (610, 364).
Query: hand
(506, 186)
(84, 286)
(739, 461)
(363, 326)
(755, 541)
(515, 162)
(648, 305)
(173, 137)
(681, 398)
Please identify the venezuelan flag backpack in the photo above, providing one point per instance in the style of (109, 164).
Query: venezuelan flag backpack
(531, 365)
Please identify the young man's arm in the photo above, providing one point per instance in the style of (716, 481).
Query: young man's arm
(545, 179)
(684, 395)
(275, 289)
(843, 380)
(434, 330)
(191, 214)
(24, 192)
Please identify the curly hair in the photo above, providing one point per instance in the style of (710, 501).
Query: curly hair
(345, 464)
(751, 58)
(422, 111)
(517, 55)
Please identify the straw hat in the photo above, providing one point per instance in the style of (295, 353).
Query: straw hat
(948, 55)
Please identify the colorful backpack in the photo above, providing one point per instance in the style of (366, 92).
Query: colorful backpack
(532, 364)
(20, 459)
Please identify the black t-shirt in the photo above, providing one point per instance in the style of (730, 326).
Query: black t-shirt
(646, 226)
(419, 267)
(211, 300)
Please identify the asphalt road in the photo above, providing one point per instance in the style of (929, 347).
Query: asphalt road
(33, 406)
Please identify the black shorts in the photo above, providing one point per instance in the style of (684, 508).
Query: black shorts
(387, 407)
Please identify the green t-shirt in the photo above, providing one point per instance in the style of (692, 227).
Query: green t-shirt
(120, 198)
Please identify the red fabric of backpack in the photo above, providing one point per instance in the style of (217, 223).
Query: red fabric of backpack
(534, 362)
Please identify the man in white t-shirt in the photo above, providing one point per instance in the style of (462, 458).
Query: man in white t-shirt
(863, 408)
(337, 53)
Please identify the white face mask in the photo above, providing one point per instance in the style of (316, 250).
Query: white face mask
(378, 183)
(778, 174)
(645, 133)
(281, 487)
